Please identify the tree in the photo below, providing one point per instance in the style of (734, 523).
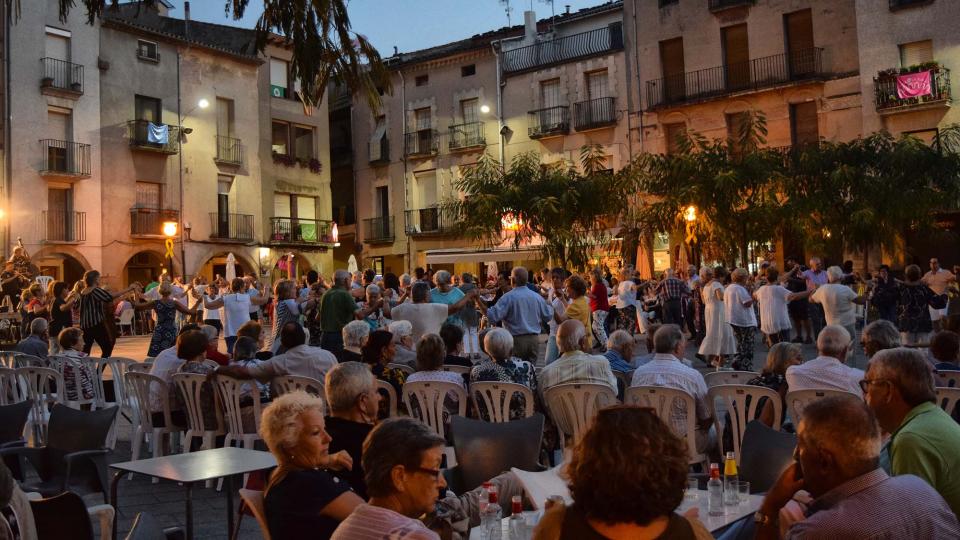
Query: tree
(324, 46)
(570, 210)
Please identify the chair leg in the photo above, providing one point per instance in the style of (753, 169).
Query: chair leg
(236, 529)
(135, 443)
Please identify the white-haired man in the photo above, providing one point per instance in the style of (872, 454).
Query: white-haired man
(827, 371)
(838, 301)
(575, 365)
(353, 400)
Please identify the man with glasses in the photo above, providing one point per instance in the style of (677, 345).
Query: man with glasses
(899, 388)
(938, 279)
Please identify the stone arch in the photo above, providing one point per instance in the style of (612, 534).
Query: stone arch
(63, 263)
(215, 258)
(145, 266)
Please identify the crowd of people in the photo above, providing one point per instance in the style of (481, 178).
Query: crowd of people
(345, 470)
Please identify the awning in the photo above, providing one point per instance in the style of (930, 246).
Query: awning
(450, 256)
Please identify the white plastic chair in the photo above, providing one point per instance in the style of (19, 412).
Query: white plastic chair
(391, 398)
(429, 396)
(670, 405)
(460, 370)
(407, 370)
(798, 399)
(254, 501)
(74, 377)
(715, 378)
(230, 392)
(947, 398)
(139, 367)
(573, 406)
(285, 384)
(40, 386)
(10, 391)
(496, 397)
(126, 319)
(736, 397)
(949, 379)
(139, 385)
(22, 360)
(44, 281)
(191, 388)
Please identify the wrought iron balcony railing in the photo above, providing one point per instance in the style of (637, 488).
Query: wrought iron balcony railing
(287, 230)
(61, 226)
(549, 121)
(564, 49)
(742, 76)
(65, 158)
(422, 142)
(594, 113)
(887, 99)
(229, 150)
(231, 226)
(145, 135)
(62, 75)
(378, 230)
(719, 5)
(380, 150)
(428, 221)
(467, 135)
(149, 221)
(901, 4)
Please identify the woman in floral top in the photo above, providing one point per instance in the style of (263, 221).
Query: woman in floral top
(501, 367)
(377, 352)
(71, 341)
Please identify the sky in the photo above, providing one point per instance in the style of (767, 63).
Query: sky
(409, 25)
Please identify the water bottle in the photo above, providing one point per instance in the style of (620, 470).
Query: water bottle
(490, 519)
(730, 495)
(715, 491)
(518, 523)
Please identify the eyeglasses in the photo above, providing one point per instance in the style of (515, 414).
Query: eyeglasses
(865, 383)
(435, 473)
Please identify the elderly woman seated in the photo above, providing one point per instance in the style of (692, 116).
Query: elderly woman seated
(430, 354)
(501, 367)
(627, 477)
(304, 498)
(403, 341)
(355, 334)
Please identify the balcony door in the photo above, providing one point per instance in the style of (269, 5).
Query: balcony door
(671, 62)
(801, 56)
(803, 123)
(224, 183)
(551, 116)
(736, 57)
(423, 121)
(57, 47)
(426, 190)
(381, 208)
(60, 133)
(59, 214)
(598, 89)
(226, 145)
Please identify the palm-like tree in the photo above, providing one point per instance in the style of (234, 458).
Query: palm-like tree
(324, 46)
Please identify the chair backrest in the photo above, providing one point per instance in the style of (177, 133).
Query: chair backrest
(117, 367)
(230, 391)
(764, 454)
(715, 378)
(28, 360)
(391, 397)
(140, 367)
(10, 391)
(126, 317)
(291, 383)
(798, 399)
(453, 368)
(140, 385)
(41, 387)
(6, 359)
(675, 407)
(496, 398)
(947, 378)
(191, 388)
(947, 398)
(44, 281)
(486, 449)
(62, 516)
(429, 397)
(573, 406)
(74, 370)
(402, 367)
(254, 501)
(13, 418)
(72, 430)
(210, 364)
(743, 405)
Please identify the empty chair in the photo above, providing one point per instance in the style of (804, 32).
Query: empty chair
(495, 399)
(486, 449)
(239, 433)
(715, 378)
(947, 398)
(290, 383)
(429, 398)
(62, 516)
(28, 360)
(798, 399)
(13, 419)
(764, 454)
(390, 399)
(10, 391)
(407, 370)
(41, 385)
(140, 386)
(199, 422)
(675, 407)
(743, 405)
(126, 319)
(573, 406)
(949, 379)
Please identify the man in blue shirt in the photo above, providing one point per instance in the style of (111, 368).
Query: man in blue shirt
(620, 351)
(523, 313)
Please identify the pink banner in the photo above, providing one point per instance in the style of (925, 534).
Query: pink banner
(913, 85)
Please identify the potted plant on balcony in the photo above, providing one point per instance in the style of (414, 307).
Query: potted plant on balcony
(315, 165)
(46, 82)
(76, 87)
(284, 159)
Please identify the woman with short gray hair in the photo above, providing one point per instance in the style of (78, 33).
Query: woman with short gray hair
(355, 334)
(501, 367)
(403, 339)
(430, 353)
(303, 499)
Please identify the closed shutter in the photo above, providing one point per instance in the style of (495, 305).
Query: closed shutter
(550, 93)
(224, 117)
(736, 56)
(671, 132)
(422, 118)
(918, 52)
(57, 46)
(427, 189)
(281, 205)
(149, 195)
(671, 63)
(800, 46)
(736, 123)
(803, 120)
(470, 110)
(306, 207)
(278, 78)
(597, 85)
(58, 125)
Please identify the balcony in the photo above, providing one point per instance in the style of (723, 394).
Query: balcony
(469, 135)
(149, 221)
(65, 158)
(61, 78)
(423, 142)
(229, 151)
(380, 151)
(150, 139)
(549, 122)
(595, 113)
(231, 227)
(896, 5)
(430, 221)
(565, 49)
(300, 232)
(720, 5)
(378, 230)
(756, 74)
(888, 100)
(63, 227)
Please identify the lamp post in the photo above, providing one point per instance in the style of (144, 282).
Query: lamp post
(690, 217)
(169, 231)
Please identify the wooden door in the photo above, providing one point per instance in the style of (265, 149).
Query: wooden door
(736, 56)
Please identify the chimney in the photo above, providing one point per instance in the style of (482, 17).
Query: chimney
(529, 26)
(395, 50)
(186, 21)
(567, 12)
(186, 11)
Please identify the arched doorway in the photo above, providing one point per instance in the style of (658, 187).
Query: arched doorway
(217, 266)
(144, 267)
(283, 269)
(59, 266)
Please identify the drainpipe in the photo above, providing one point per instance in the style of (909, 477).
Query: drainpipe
(403, 157)
(183, 249)
(497, 45)
(7, 136)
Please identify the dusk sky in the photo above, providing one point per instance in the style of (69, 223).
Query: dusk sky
(408, 24)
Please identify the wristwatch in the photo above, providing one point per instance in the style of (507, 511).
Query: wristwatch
(762, 519)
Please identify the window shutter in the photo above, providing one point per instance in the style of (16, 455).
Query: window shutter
(918, 52)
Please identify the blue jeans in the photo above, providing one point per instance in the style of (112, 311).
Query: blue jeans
(552, 351)
(231, 340)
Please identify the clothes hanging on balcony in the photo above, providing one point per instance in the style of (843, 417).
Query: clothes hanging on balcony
(911, 85)
(158, 133)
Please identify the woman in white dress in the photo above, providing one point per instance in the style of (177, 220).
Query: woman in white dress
(774, 315)
(719, 341)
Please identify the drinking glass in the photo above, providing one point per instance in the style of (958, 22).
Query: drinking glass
(693, 486)
(743, 492)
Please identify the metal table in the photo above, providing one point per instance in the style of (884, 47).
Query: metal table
(194, 467)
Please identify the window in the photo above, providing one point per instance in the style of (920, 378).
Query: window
(422, 80)
(671, 65)
(803, 123)
(280, 139)
(148, 108)
(918, 52)
(426, 189)
(470, 110)
(59, 124)
(736, 56)
(798, 27)
(550, 93)
(224, 183)
(281, 205)
(421, 118)
(149, 195)
(57, 44)
(148, 50)
(294, 206)
(468, 70)
(736, 123)
(225, 117)
(279, 78)
(597, 85)
(303, 142)
(671, 132)
(663, 3)
(381, 201)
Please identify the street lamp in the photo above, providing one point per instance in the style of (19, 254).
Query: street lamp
(170, 231)
(203, 103)
(264, 255)
(690, 214)
(484, 109)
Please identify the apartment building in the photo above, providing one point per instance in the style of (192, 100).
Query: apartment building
(562, 85)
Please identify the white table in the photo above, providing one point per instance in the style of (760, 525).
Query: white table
(712, 523)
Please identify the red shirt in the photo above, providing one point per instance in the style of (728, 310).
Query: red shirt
(217, 356)
(599, 301)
